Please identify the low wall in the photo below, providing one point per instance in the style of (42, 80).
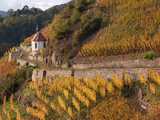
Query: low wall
(90, 73)
(22, 62)
(121, 64)
(39, 74)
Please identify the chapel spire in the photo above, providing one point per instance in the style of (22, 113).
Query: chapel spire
(37, 28)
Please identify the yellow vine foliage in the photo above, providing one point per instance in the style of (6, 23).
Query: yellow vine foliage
(76, 104)
(91, 94)
(152, 88)
(70, 112)
(36, 113)
(110, 88)
(62, 103)
(114, 41)
(142, 79)
(9, 116)
(41, 106)
(92, 84)
(127, 79)
(81, 97)
(102, 91)
(71, 95)
(7, 68)
(66, 93)
(117, 82)
(1, 117)
(103, 2)
(11, 103)
(18, 115)
(154, 76)
(4, 105)
(8, 113)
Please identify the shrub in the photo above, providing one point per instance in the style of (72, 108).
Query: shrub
(82, 4)
(131, 90)
(75, 16)
(76, 37)
(90, 27)
(60, 27)
(11, 83)
(85, 18)
(151, 55)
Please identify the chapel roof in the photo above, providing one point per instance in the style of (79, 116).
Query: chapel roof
(38, 37)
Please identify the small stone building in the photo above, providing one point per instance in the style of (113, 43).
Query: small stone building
(38, 42)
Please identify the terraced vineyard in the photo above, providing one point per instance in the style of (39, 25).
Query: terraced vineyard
(107, 48)
(71, 98)
(133, 27)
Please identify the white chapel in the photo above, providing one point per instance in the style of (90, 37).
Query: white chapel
(38, 42)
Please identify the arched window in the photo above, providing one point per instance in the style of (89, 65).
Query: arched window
(44, 45)
(35, 45)
(44, 74)
(27, 64)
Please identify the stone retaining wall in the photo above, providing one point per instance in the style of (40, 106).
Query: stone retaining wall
(22, 63)
(90, 73)
(106, 69)
(39, 74)
(122, 64)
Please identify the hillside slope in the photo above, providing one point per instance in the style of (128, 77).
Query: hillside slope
(108, 27)
(105, 27)
(134, 27)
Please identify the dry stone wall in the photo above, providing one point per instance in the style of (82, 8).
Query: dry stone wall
(106, 69)
(38, 74)
(122, 64)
